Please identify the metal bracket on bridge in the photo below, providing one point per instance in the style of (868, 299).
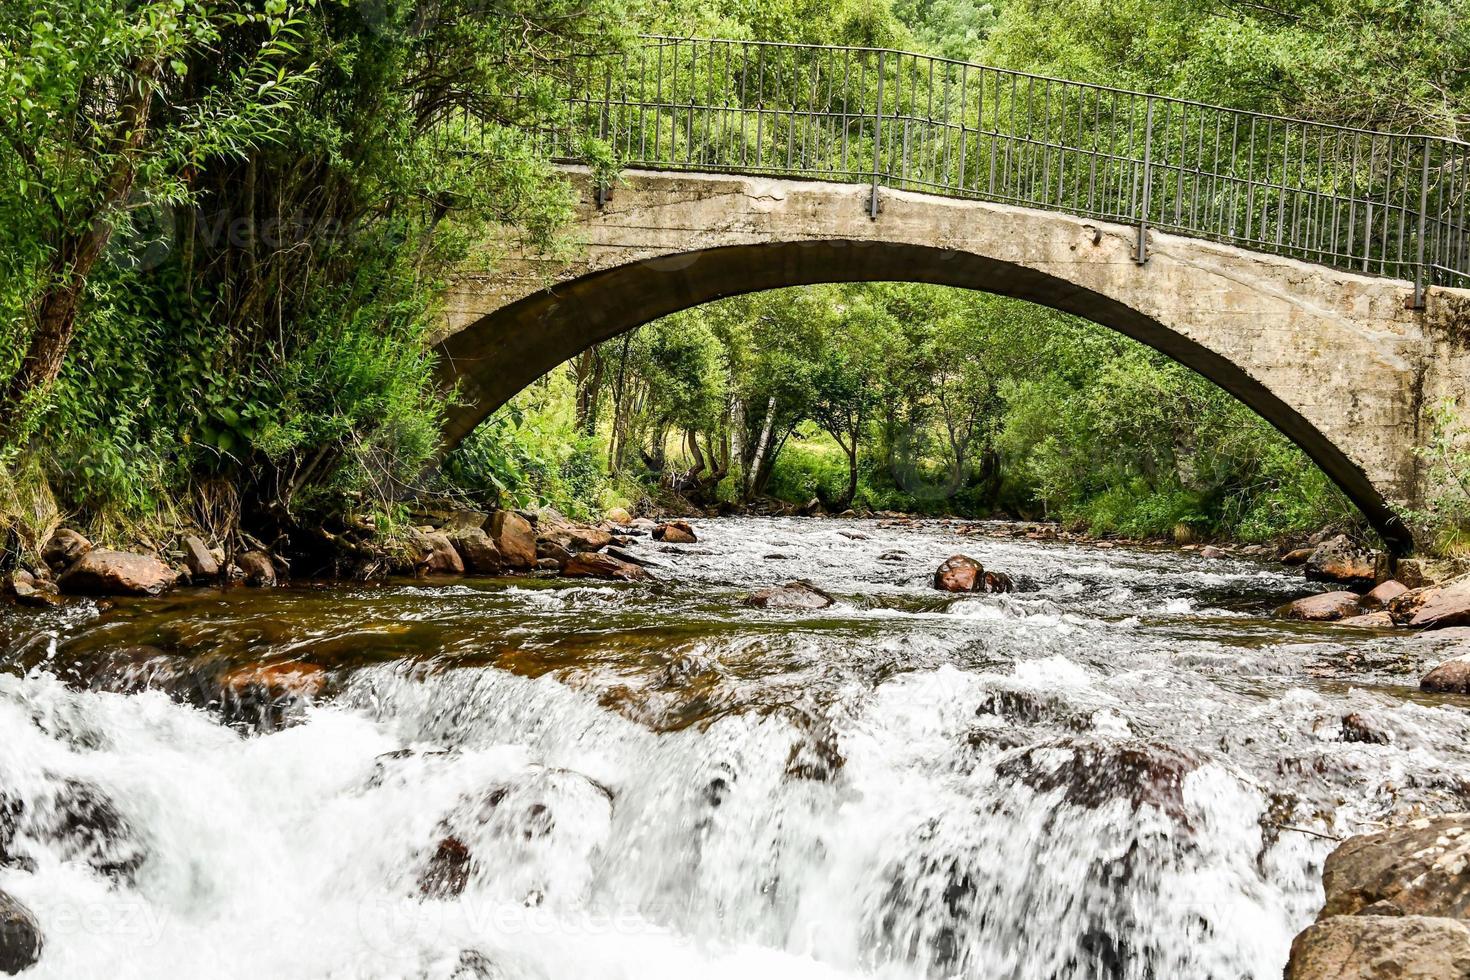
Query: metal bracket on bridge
(602, 193)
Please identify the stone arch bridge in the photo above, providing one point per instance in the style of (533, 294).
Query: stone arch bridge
(1340, 318)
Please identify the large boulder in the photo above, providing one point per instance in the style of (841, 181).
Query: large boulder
(20, 937)
(1323, 608)
(1450, 677)
(960, 573)
(476, 550)
(799, 594)
(63, 548)
(1433, 607)
(675, 532)
(1415, 869)
(1377, 947)
(514, 538)
(1339, 559)
(117, 573)
(591, 565)
(440, 556)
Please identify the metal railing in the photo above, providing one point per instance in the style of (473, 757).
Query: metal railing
(1379, 203)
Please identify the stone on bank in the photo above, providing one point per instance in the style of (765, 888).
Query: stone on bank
(20, 937)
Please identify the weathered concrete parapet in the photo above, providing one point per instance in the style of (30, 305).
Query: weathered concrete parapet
(1339, 362)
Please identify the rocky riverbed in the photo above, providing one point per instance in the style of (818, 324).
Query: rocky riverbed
(781, 748)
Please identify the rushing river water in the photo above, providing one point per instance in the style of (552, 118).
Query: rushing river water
(1111, 773)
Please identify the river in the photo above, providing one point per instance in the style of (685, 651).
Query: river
(1126, 769)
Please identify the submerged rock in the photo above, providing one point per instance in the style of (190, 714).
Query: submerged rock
(20, 936)
(269, 696)
(1092, 773)
(798, 594)
(1323, 608)
(1360, 728)
(117, 573)
(448, 870)
(675, 532)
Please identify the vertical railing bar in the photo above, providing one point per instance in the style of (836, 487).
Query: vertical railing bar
(960, 181)
(1419, 282)
(877, 143)
(1148, 144)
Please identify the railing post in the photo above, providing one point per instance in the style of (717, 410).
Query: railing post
(1141, 256)
(1419, 270)
(877, 143)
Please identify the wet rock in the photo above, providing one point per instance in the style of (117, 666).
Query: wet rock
(259, 571)
(894, 556)
(20, 936)
(853, 535)
(554, 551)
(592, 565)
(643, 524)
(675, 532)
(1323, 608)
(1210, 551)
(475, 965)
(1093, 773)
(1433, 607)
(514, 539)
(1376, 947)
(799, 594)
(815, 757)
(1450, 677)
(960, 573)
(30, 591)
(268, 697)
(1416, 573)
(1382, 594)
(116, 573)
(547, 565)
(63, 548)
(618, 515)
(198, 559)
(448, 870)
(476, 550)
(1416, 869)
(1340, 560)
(552, 527)
(80, 823)
(1374, 620)
(997, 582)
(1297, 556)
(1360, 728)
(439, 556)
(632, 557)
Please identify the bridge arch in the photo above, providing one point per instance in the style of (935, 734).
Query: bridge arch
(1338, 362)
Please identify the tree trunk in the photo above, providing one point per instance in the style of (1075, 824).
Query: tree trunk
(77, 254)
(760, 450)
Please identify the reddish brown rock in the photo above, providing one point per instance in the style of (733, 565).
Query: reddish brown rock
(268, 696)
(552, 528)
(117, 573)
(1382, 594)
(960, 573)
(477, 551)
(259, 571)
(1297, 556)
(514, 538)
(1418, 868)
(1323, 608)
(63, 548)
(592, 565)
(448, 870)
(1340, 560)
(1360, 728)
(1434, 607)
(675, 532)
(198, 559)
(442, 557)
(1450, 677)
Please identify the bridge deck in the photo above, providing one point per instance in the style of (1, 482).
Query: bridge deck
(1388, 204)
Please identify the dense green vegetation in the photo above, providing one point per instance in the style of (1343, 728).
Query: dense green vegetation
(223, 229)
